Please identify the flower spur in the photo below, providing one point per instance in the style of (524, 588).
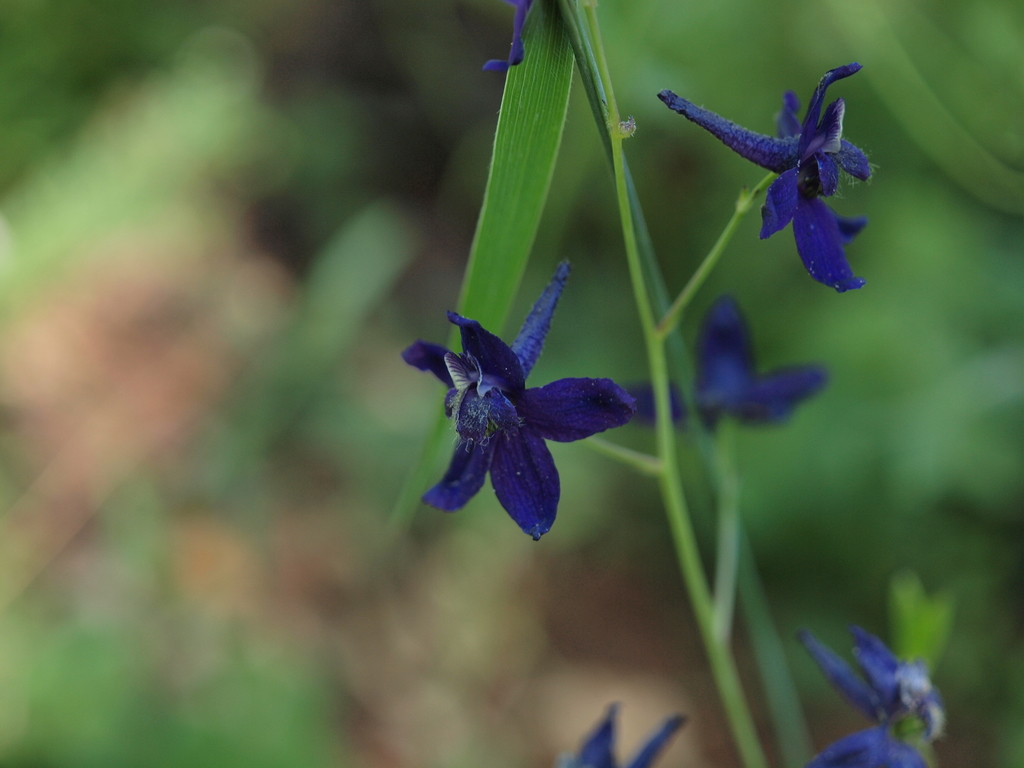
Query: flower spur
(502, 425)
(808, 158)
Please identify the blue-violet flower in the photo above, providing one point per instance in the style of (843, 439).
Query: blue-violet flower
(502, 425)
(516, 55)
(889, 691)
(807, 158)
(598, 751)
(726, 379)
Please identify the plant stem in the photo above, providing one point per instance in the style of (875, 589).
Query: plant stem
(727, 561)
(722, 665)
(641, 462)
(744, 203)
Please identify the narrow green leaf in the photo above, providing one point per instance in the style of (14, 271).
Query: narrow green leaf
(526, 143)
(920, 624)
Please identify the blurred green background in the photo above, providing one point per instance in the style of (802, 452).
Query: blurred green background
(220, 224)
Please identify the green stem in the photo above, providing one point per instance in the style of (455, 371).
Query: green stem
(723, 667)
(641, 462)
(744, 203)
(727, 561)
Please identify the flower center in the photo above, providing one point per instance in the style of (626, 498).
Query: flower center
(808, 182)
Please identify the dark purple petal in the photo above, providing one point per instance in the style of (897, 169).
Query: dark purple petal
(853, 161)
(820, 245)
(828, 174)
(572, 409)
(779, 204)
(479, 416)
(525, 480)
(725, 362)
(773, 397)
(517, 53)
(828, 135)
(879, 666)
(643, 394)
(429, 357)
(530, 341)
(864, 749)
(810, 125)
(496, 359)
(774, 154)
(842, 676)
(656, 741)
(899, 754)
(786, 122)
(598, 751)
(465, 476)
(849, 228)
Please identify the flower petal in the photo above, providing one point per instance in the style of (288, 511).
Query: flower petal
(656, 741)
(899, 754)
(853, 161)
(828, 135)
(849, 228)
(820, 245)
(842, 676)
(810, 125)
(779, 204)
(429, 357)
(517, 53)
(879, 666)
(828, 174)
(774, 154)
(530, 341)
(572, 409)
(786, 122)
(773, 397)
(863, 749)
(525, 480)
(496, 359)
(598, 751)
(464, 478)
(933, 711)
(725, 362)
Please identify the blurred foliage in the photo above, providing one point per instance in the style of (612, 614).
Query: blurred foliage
(221, 223)
(920, 624)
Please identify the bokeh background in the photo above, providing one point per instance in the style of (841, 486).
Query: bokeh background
(221, 223)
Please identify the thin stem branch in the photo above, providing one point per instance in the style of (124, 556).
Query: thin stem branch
(727, 561)
(641, 462)
(744, 203)
(722, 664)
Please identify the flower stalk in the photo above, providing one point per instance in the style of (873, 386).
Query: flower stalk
(744, 203)
(722, 664)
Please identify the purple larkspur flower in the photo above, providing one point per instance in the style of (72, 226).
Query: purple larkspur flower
(727, 382)
(516, 55)
(808, 158)
(502, 425)
(598, 750)
(889, 691)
